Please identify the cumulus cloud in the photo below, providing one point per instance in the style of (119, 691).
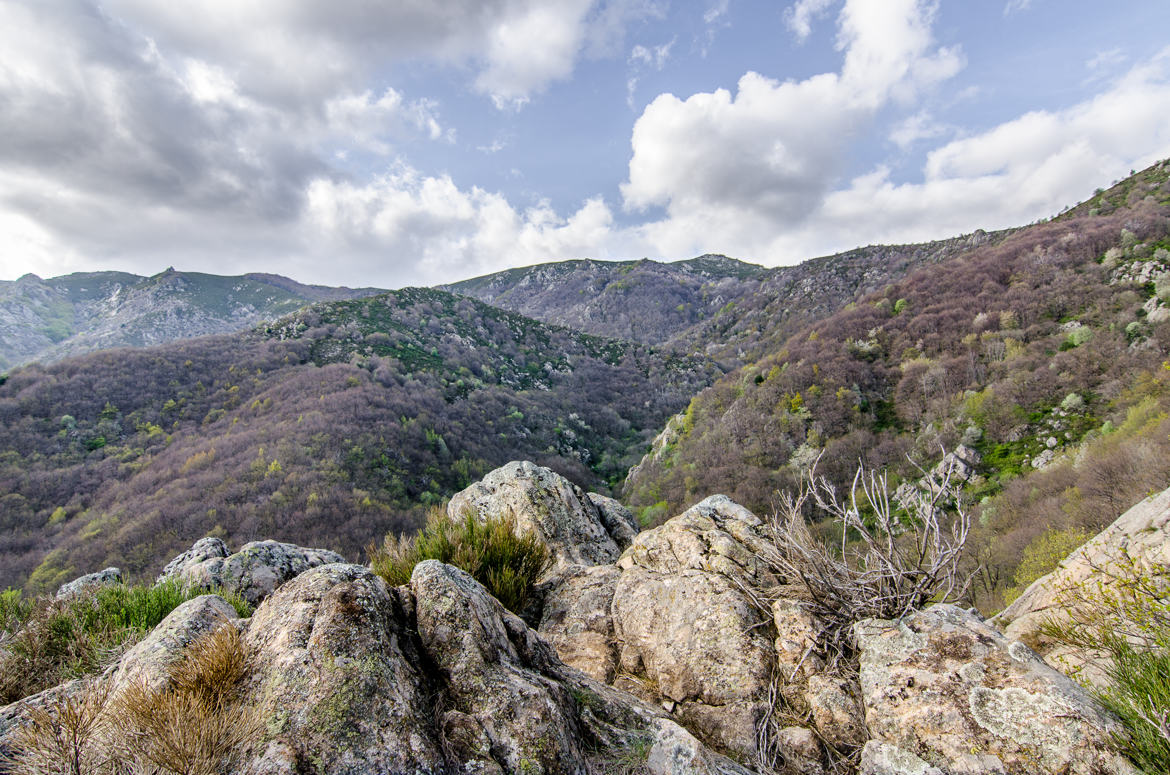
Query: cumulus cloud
(1018, 171)
(764, 158)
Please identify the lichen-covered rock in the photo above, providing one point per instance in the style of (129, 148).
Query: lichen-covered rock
(688, 630)
(89, 581)
(491, 664)
(1142, 533)
(148, 660)
(576, 619)
(254, 572)
(340, 679)
(513, 706)
(619, 522)
(547, 505)
(879, 758)
(945, 687)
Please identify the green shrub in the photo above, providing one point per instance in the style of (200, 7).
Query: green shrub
(14, 609)
(1042, 556)
(1123, 626)
(506, 563)
(56, 640)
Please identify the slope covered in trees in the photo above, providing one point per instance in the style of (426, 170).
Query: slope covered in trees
(47, 320)
(1052, 340)
(329, 427)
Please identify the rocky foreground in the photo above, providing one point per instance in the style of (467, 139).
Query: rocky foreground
(648, 652)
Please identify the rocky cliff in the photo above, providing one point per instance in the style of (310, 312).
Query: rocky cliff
(648, 652)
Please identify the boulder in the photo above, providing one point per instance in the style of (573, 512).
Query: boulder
(576, 619)
(148, 661)
(942, 689)
(253, 572)
(688, 633)
(512, 706)
(549, 506)
(340, 679)
(1142, 533)
(89, 581)
(619, 521)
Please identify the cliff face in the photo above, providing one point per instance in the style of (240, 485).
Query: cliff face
(647, 652)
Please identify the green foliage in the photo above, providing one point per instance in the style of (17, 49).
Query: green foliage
(1121, 619)
(654, 514)
(899, 306)
(1043, 555)
(14, 609)
(51, 641)
(490, 550)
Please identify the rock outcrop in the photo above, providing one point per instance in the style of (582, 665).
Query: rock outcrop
(944, 690)
(1142, 534)
(89, 581)
(574, 527)
(253, 573)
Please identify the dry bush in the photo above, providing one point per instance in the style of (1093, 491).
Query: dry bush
(887, 564)
(67, 737)
(197, 724)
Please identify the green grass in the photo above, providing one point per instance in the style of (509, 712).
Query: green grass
(506, 563)
(50, 641)
(1139, 696)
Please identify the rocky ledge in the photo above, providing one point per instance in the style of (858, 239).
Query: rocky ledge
(672, 650)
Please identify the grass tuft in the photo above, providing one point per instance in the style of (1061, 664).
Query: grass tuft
(506, 563)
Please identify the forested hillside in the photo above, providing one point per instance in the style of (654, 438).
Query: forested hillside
(329, 427)
(1051, 341)
(47, 320)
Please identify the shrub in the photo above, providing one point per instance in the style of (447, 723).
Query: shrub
(1121, 624)
(490, 550)
(62, 639)
(1042, 556)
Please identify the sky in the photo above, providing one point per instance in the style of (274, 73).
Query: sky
(410, 142)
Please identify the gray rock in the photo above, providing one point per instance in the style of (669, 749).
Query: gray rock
(943, 685)
(884, 759)
(89, 581)
(1142, 533)
(619, 521)
(547, 505)
(687, 630)
(577, 621)
(148, 660)
(340, 679)
(254, 572)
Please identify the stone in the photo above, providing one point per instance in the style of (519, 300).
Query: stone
(547, 505)
(836, 712)
(619, 521)
(576, 619)
(945, 686)
(685, 627)
(148, 661)
(1142, 533)
(340, 678)
(253, 573)
(89, 582)
(884, 759)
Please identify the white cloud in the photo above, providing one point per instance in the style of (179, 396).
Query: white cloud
(434, 231)
(800, 16)
(726, 166)
(1016, 6)
(655, 57)
(913, 129)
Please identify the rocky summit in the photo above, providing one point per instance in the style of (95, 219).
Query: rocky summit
(672, 650)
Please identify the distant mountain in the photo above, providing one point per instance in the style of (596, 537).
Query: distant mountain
(645, 301)
(728, 309)
(327, 427)
(47, 320)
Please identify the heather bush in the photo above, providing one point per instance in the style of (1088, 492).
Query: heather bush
(490, 550)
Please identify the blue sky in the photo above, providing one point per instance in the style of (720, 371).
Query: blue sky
(413, 142)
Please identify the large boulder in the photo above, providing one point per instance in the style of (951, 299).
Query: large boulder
(575, 528)
(512, 706)
(577, 619)
(686, 629)
(1141, 534)
(340, 678)
(254, 572)
(945, 692)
